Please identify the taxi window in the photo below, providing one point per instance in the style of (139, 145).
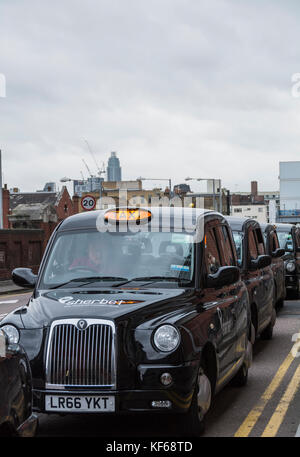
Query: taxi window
(238, 241)
(260, 242)
(225, 245)
(252, 247)
(212, 255)
(274, 241)
(286, 241)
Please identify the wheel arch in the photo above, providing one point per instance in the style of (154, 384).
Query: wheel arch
(209, 363)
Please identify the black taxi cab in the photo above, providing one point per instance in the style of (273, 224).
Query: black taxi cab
(136, 310)
(256, 272)
(16, 417)
(289, 240)
(276, 253)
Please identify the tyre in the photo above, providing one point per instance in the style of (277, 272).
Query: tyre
(241, 378)
(201, 401)
(267, 333)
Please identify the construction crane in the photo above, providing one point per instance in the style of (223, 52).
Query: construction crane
(100, 171)
(89, 171)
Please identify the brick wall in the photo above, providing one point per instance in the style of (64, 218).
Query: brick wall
(20, 248)
(65, 206)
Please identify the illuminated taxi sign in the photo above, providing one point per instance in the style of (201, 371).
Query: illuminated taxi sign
(128, 215)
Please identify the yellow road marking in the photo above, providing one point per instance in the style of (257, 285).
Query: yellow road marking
(280, 412)
(250, 421)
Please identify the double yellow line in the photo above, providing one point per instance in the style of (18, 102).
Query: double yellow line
(279, 414)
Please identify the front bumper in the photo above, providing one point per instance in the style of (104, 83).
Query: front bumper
(292, 282)
(148, 389)
(127, 401)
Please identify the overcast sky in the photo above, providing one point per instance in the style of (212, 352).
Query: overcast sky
(176, 87)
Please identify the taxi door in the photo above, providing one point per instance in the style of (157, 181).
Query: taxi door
(266, 282)
(220, 302)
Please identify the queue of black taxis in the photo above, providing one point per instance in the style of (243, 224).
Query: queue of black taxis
(133, 311)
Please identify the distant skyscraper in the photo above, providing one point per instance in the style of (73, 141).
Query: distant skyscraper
(113, 168)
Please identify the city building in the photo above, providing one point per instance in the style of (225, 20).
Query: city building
(258, 212)
(91, 184)
(289, 179)
(36, 210)
(260, 205)
(113, 168)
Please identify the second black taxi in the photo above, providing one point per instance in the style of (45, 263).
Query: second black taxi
(256, 272)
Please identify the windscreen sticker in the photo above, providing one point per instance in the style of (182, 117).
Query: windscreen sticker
(70, 301)
(181, 238)
(180, 268)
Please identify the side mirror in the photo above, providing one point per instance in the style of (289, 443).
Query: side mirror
(223, 277)
(24, 277)
(262, 261)
(279, 252)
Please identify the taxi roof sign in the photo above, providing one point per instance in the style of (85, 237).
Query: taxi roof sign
(127, 215)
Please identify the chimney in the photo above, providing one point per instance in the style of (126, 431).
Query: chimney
(254, 188)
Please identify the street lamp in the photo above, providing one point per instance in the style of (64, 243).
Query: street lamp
(214, 194)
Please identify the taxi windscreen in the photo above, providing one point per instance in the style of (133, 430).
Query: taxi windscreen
(285, 241)
(93, 256)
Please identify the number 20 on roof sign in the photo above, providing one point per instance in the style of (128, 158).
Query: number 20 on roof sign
(88, 203)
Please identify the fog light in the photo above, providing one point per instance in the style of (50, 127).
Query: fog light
(161, 404)
(166, 379)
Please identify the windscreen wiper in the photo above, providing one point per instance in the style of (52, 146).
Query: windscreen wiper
(89, 280)
(150, 279)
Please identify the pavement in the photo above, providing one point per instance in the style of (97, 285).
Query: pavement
(8, 287)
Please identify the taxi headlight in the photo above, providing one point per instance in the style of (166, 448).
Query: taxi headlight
(12, 333)
(166, 338)
(290, 266)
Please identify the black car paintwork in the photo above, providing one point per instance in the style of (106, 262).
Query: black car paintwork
(292, 279)
(16, 417)
(277, 263)
(210, 321)
(259, 282)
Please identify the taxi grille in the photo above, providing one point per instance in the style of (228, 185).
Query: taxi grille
(78, 357)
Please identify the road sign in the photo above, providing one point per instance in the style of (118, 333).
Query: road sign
(88, 202)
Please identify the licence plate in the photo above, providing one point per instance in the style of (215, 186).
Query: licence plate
(80, 403)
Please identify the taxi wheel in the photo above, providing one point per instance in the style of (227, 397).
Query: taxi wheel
(267, 333)
(241, 378)
(194, 419)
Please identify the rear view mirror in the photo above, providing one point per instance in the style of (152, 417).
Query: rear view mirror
(24, 277)
(223, 277)
(262, 261)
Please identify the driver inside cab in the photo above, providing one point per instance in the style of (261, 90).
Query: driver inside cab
(95, 260)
